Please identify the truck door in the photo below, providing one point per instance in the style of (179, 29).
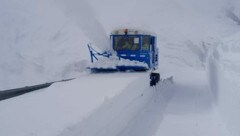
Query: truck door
(152, 43)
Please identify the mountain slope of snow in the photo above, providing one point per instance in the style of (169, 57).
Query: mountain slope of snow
(47, 39)
(42, 41)
(38, 44)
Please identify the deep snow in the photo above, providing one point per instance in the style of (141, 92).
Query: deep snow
(42, 41)
(223, 70)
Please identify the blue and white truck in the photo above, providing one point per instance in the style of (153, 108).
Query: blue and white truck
(131, 49)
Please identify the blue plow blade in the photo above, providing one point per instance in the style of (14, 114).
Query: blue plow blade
(118, 68)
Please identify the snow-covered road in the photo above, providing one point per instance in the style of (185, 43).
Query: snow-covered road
(136, 111)
(192, 111)
(186, 107)
(128, 108)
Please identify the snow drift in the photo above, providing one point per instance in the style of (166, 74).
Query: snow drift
(224, 77)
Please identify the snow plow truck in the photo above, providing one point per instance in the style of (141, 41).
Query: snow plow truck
(131, 50)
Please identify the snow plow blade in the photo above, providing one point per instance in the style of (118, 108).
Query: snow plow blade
(102, 70)
(131, 68)
(118, 68)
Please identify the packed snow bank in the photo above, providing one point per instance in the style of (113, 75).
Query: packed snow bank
(50, 111)
(224, 77)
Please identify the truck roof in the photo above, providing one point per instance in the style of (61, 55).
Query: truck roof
(131, 32)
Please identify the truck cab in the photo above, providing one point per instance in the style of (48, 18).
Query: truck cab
(135, 45)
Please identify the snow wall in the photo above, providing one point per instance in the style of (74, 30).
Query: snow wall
(224, 76)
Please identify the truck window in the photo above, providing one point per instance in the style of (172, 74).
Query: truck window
(145, 43)
(124, 43)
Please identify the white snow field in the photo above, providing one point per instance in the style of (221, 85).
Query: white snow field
(46, 40)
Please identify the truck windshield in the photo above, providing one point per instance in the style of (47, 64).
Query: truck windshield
(123, 43)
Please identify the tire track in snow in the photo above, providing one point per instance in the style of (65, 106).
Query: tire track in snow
(148, 120)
